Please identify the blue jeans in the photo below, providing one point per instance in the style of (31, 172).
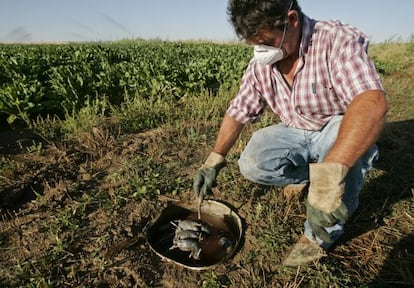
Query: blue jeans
(279, 155)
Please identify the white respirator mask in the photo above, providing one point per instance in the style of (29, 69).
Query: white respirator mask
(269, 55)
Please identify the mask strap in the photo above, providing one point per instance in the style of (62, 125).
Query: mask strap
(290, 6)
(284, 29)
(283, 37)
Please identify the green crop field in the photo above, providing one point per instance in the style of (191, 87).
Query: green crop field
(96, 139)
(42, 79)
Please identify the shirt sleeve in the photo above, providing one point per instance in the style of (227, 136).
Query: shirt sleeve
(353, 72)
(248, 105)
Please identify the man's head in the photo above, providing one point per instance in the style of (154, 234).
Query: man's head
(250, 17)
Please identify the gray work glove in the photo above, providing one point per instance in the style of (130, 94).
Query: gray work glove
(324, 206)
(205, 177)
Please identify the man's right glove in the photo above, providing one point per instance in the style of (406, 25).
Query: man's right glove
(324, 206)
(205, 177)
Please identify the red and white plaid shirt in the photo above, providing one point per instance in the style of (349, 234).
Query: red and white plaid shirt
(334, 68)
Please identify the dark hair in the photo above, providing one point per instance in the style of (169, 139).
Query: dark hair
(247, 16)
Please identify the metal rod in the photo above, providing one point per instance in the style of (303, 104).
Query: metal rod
(200, 199)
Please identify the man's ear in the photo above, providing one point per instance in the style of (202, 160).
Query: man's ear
(293, 18)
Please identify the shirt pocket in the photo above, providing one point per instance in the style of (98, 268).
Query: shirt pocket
(324, 99)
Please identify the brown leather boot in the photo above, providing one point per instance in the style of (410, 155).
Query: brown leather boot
(303, 253)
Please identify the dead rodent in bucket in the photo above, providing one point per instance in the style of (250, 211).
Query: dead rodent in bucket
(196, 236)
(181, 236)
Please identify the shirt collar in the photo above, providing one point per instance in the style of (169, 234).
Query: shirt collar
(307, 31)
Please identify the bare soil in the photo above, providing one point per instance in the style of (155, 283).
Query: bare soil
(67, 220)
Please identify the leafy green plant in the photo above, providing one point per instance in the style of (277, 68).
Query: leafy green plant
(54, 79)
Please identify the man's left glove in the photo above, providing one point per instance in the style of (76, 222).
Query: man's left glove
(205, 177)
(324, 206)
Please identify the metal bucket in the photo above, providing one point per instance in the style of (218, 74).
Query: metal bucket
(223, 219)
